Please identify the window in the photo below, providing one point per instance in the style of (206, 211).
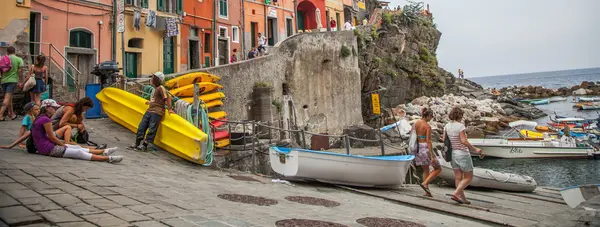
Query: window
(194, 32)
(135, 43)
(235, 34)
(206, 43)
(80, 38)
(223, 32)
(170, 6)
(223, 8)
(142, 3)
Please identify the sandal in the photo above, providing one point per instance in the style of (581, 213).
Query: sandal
(426, 189)
(456, 199)
(13, 118)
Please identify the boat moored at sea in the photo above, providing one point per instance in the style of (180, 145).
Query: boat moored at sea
(508, 148)
(337, 168)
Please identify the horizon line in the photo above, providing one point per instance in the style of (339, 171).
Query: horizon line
(562, 70)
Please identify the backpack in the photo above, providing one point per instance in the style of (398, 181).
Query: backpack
(83, 138)
(31, 146)
(5, 64)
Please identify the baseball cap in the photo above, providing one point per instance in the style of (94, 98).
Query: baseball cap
(160, 76)
(49, 103)
(28, 106)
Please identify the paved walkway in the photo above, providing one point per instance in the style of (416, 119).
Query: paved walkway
(159, 189)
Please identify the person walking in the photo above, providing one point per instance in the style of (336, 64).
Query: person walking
(40, 71)
(461, 162)
(262, 41)
(9, 82)
(333, 25)
(154, 114)
(424, 156)
(347, 25)
(233, 56)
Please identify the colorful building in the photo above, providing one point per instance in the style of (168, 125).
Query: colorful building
(196, 34)
(311, 15)
(14, 21)
(272, 18)
(334, 11)
(152, 43)
(228, 28)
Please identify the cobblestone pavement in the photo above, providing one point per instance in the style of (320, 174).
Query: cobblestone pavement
(159, 189)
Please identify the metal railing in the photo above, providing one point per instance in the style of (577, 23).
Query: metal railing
(51, 49)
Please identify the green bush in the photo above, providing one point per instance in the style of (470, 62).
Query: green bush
(387, 18)
(374, 34)
(262, 85)
(277, 105)
(345, 52)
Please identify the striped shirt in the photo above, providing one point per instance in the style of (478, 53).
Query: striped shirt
(453, 130)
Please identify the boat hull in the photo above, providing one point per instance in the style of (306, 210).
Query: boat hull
(486, 178)
(576, 195)
(174, 135)
(191, 78)
(529, 149)
(382, 171)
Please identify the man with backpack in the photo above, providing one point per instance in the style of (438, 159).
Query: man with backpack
(11, 73)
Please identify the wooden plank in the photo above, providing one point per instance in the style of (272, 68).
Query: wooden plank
(458, 210)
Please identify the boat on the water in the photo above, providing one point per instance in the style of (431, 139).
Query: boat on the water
(550, 148)
(487, 178)
(594, 106)
(540, 102)
(587, 99)
(558, 99)
(576, 195)
(337, 168)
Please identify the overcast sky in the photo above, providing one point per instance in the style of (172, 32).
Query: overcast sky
(487, 38)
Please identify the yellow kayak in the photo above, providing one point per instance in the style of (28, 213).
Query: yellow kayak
(217, 115)
(222, 143)
(175, 134)
(191, 78)
(205, 97)
(188, 90)
(531, 134)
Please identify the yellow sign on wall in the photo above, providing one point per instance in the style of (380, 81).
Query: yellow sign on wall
(375, 104)
(361, 5)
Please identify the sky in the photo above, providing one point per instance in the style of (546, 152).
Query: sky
(488, 38)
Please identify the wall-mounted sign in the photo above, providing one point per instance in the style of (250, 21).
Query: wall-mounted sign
(375, 104)
(361, 4)
(272, 12)
(120, 16)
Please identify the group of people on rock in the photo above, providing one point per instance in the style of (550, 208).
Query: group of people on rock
(47, 127)
(461, 162)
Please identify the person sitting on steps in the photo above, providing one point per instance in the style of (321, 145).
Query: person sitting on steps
(154, 114)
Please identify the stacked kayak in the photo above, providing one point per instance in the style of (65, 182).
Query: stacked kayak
(175, 134)
(210, 94)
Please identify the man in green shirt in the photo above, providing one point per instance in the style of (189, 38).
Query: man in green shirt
(9, 83)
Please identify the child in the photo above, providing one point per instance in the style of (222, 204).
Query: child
(32, 111)
(154, 114)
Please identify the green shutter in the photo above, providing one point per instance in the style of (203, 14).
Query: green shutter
(161, 5)
(223, 8)
(179, 7)
(145, 4)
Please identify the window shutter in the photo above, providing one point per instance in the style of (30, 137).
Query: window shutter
(160, 5)
(226, 10)
(145, 4)
(179, 7)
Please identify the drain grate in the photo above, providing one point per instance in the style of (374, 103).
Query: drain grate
(306, 223)
(387, 222)
(248, 199)
(243, 178)
(312, 201)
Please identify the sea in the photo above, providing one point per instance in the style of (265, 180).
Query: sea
(556, 173)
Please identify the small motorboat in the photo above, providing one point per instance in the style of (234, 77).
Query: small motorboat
(576, 195)
(337, 168)
(558, 99)
(587, 99)
(541, 148)
(594, 106)
(540, 102)
(487, 178)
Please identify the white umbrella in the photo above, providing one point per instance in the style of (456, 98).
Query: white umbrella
(318, 15)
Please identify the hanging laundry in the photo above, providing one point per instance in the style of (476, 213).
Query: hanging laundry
(151, 19)
(136, 20)
(172, 29)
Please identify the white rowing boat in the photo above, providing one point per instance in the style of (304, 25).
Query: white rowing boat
(505, 148)
(336, 168)
(558, 99)
(487, 178)
(576, 195)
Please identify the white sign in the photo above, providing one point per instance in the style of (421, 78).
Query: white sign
(120, 6)
(120, 22)
(272, 12)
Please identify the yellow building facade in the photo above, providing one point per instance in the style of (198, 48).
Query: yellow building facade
(148, 50)
(335, 10)
(14, 19)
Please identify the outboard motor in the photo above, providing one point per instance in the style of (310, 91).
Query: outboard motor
(107, 71)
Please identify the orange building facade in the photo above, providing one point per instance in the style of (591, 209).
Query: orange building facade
(274, 19)
(196, 34)
(78, 30)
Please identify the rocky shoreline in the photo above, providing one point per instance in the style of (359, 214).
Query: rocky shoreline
(534, 92)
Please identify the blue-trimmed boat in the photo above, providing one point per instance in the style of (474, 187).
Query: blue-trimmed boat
(337, 168)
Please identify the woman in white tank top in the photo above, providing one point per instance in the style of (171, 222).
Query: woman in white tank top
(461, 157)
